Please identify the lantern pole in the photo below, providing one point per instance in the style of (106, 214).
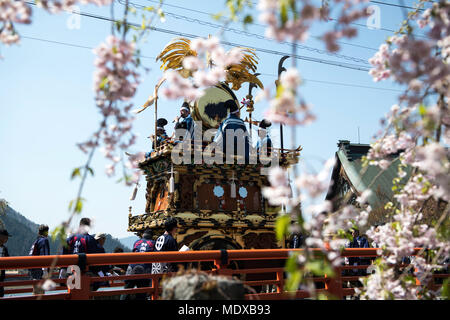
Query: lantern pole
(156, 123)
(277, 82)
(250, 107)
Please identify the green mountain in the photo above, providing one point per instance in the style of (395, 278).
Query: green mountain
(112, 243)
(128, 241)
(24, 232)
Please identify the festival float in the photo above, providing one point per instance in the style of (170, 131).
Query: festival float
(218, 206)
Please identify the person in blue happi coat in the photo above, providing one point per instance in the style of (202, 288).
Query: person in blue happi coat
(239, 131)
(4, 236)
(145, 244)
(185, 121)
(264, 144)
(167, 242)
(357, 242)
(40, 247)
(82, 241)
(161, 135)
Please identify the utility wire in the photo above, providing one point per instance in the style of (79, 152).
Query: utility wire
(71, 44)
(248, 34)
(301, 57)
(259, 24)
(384, 4)
(384, 29)
(187, 35)
(339, 83)
(316, 37)
(396, 5)
(68, 44)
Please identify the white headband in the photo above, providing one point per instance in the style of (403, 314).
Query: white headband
(159, 128)
(185, 108)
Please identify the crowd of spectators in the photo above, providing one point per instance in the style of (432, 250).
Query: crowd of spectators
(81, 242)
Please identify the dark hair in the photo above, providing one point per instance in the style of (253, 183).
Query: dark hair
(118, 249)
(148, 234)
(186, 105)
(85, 222)
(170, 224)
(231, 104)
(43, 228)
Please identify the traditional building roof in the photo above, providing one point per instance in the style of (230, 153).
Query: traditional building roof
(349, 175)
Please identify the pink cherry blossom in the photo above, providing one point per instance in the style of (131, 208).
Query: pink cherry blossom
(290, 79)
(12, 12)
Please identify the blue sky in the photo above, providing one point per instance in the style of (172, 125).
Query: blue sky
(47, 106)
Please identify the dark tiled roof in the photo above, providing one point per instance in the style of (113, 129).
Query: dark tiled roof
(362, 178)
(353, 151)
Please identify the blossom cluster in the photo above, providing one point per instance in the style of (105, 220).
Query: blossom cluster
(293, 29)
(12, 12)
(324, 226)
(313, 184)
(410, 125)
(279, 192)
(383, 150)
(115, 77)
(56, 6)
(295, 26)
(398, 240)
(421, 64)
(284, 106)
(433, 159)
(115, 81)
(285, 21)
(385, 286)
(19, 11)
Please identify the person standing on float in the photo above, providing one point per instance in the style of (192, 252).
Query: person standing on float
(235, 123)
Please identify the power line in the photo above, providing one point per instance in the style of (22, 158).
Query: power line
(383, 29)
(68, 44)
(384, 4)
(259, 25)
(263, 74)
(396, 5)
(339, 83)
(301, 57)
(187, 35)
(249, 34)
(57, 42)
(316, 37)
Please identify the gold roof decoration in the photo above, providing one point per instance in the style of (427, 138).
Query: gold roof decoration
(173, 54)
(237, 74)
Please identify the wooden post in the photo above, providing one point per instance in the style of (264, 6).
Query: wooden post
(282, 139)
(155, 284)
(83, 293)
(280, 281)
(218, 267)
(334, 284)
(250, 116)
(156, 123)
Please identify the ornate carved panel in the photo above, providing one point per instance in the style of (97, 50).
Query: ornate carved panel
(162, 197)
(186, 192)
(263, 240)
(206, 198)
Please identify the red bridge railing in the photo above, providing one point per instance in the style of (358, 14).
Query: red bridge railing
(256, 265)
